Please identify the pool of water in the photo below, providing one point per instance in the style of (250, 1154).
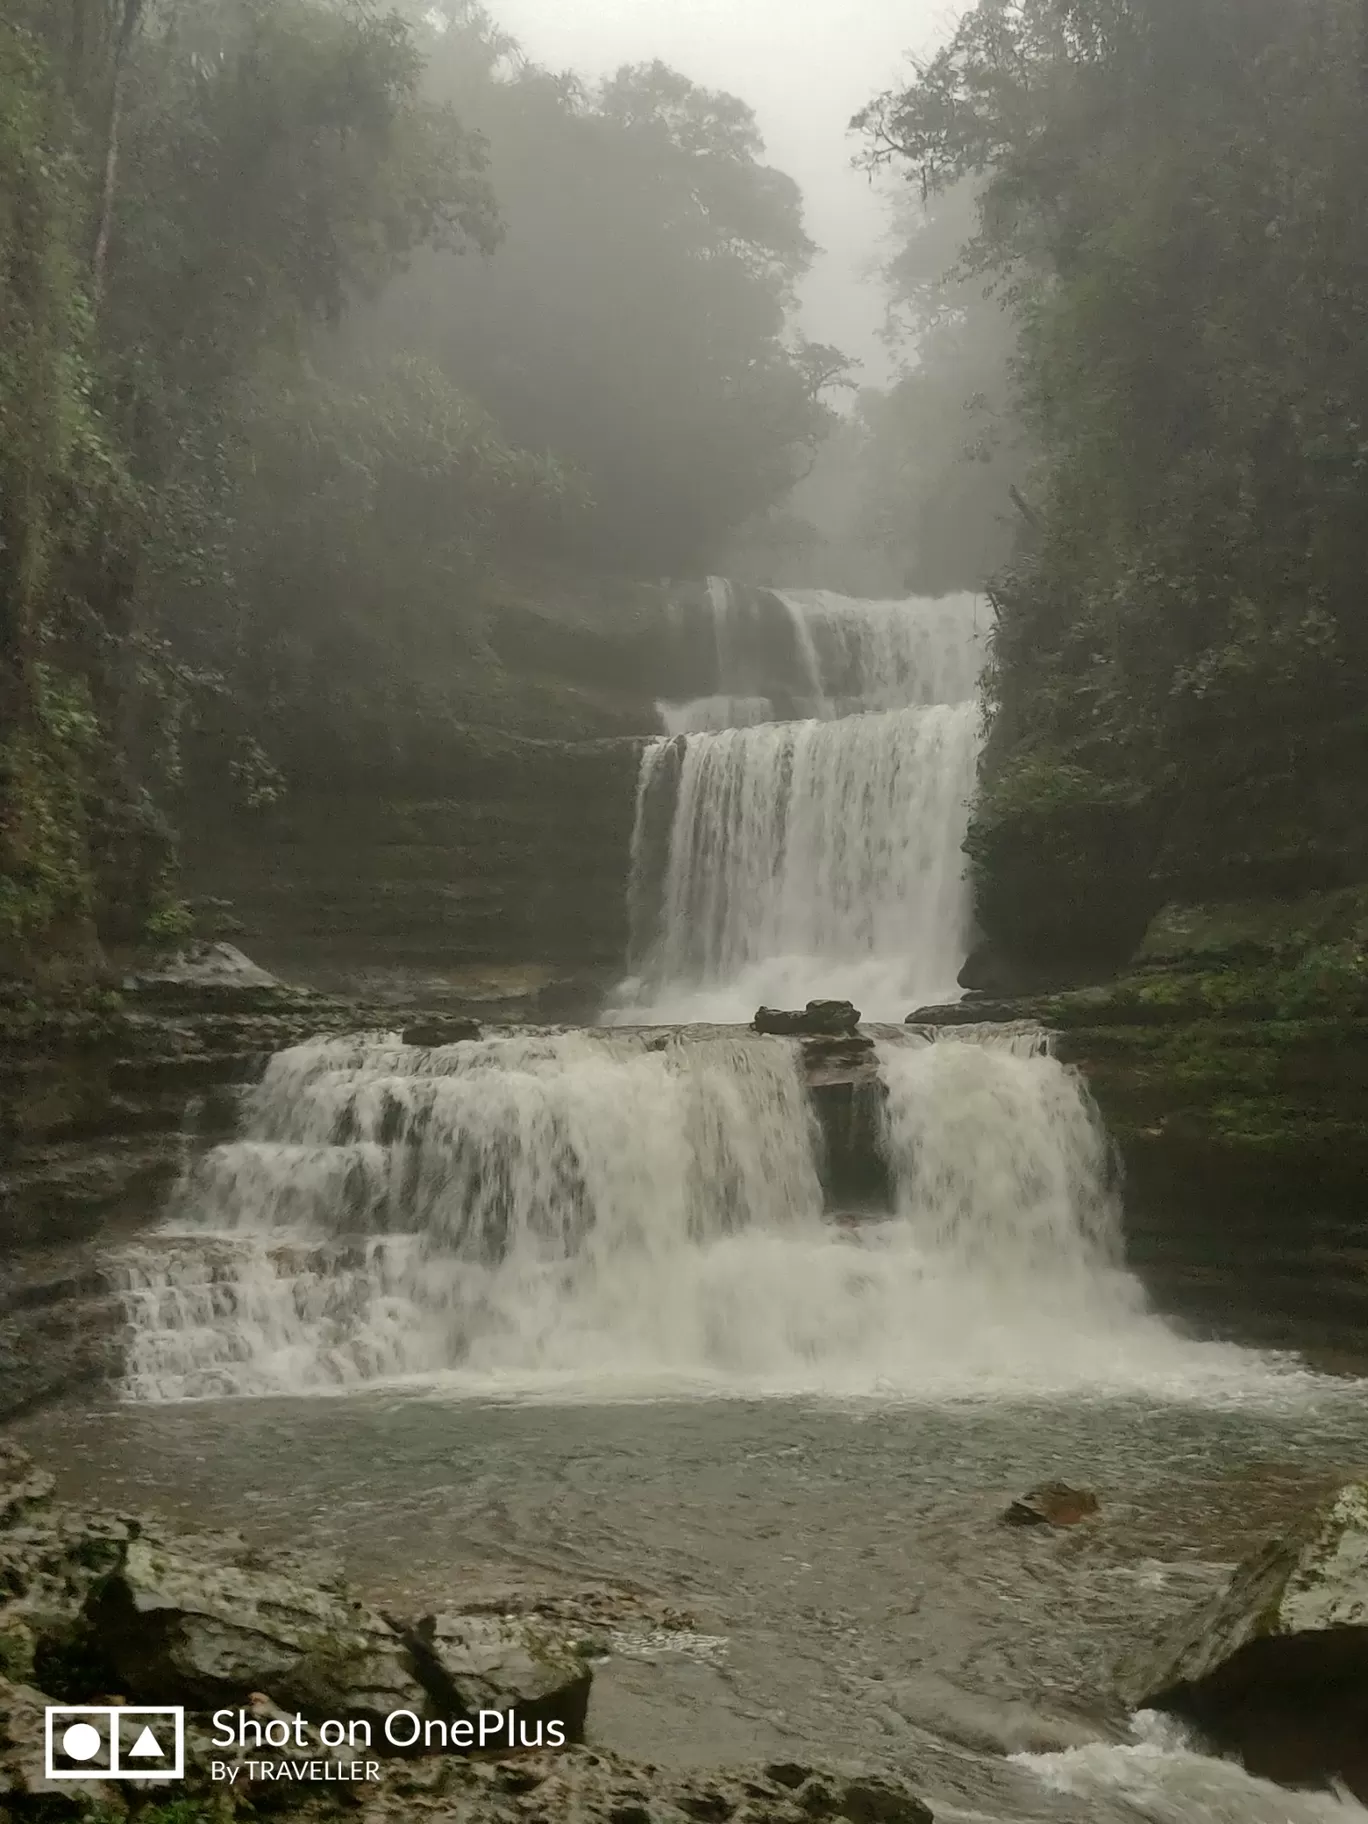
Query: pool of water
(842, 1584)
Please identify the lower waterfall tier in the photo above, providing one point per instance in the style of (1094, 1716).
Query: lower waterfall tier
(619, 1211)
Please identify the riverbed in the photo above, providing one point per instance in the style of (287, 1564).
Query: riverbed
(835, 1578)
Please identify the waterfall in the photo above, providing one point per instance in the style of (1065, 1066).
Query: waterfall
(703, 714)
(637, 1209)
(817, 853)
(639, 1212)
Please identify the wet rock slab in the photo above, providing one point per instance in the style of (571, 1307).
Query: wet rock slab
(99, 1607)
(819, 1019)
(1275, 1669)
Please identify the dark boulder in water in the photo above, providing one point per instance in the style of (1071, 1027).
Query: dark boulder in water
(819, 1019)
(1052, 1504)
(1275, 1668)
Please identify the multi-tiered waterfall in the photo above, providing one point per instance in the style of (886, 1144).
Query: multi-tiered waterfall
(640, 1206)
(807, 842)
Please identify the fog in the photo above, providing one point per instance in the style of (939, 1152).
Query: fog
(805, 66)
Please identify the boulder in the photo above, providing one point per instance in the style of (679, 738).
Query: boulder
(51, 1557)
(25, 1789)
(470, 1663)
(1275, 1669)
(185, 1622)
(213, 967)
(973, 1010)
(178, 1626)
(1052, 1504)
(23, 1489)
(817, 1020)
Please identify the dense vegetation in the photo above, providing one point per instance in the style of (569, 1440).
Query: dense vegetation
(316, 315)
(321, 322)
(1171, 206)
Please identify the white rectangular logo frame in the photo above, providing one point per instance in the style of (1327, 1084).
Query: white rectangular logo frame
(110, 1713)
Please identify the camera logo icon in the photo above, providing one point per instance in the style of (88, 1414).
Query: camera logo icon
(114, 1742)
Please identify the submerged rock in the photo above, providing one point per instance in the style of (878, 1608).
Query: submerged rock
(1275, 1669)
(1052, 1504)
(818, 1019)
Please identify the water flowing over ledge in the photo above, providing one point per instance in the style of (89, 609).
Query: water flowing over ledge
(616, 1212)
(808, 841)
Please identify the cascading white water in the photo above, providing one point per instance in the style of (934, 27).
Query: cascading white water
(397, 1211)
(703, 714)
(883, 655)
(639, 1212)
(816, 857)
(642, 1210)
(813, 859)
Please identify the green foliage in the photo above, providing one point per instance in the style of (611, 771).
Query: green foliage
(1170, 199)
(270, 163)
(169, 923)
(45, 882)
(358, 509)
(279, 397)
(1334, 974)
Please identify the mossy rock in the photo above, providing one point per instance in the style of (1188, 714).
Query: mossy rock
(1255, 929)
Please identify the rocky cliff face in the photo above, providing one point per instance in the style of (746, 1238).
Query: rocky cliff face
(520, 857)
(493, 834)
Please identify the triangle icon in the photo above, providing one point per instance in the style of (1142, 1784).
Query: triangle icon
(148, 1746)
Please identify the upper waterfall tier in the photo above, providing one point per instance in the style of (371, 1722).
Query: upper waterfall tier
(799, 833)
(803, 859)
(780, 655)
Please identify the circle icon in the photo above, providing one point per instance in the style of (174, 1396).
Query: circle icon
(82, 1742)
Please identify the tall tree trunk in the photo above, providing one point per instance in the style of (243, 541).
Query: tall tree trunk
(127, 25)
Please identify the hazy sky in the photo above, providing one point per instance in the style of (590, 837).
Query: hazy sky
(805, 66)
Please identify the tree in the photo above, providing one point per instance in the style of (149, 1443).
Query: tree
(635, 319)
(1169, 193)
(278, 161)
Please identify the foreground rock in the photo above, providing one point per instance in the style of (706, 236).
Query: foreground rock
(577, 1785)
(100, 1604)
(819, 1019)
(104, 1608)
(1275, 1669)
